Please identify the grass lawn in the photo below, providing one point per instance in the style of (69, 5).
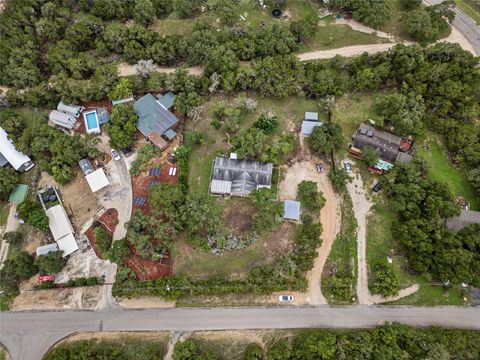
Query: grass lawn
(441, 169)
(429, 295)
(471, 8)
(380, 243)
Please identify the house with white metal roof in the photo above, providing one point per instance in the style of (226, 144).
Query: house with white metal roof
(61, 229)
(72, 110)
(9, 154)
(62, 119)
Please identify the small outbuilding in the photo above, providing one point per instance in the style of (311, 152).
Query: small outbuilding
(62, 119)
(72, 110)
(308, 126)
(86, 166)
(97, 180)
(311, 116)
(61, 229)
(45, 249)
(291, 210)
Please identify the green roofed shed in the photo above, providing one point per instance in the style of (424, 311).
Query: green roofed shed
(170, 134)
(18, 194)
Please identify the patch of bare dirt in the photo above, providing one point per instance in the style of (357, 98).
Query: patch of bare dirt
(55, 299)
(79, 200)
(146, 303)
(35, 238)
(116, 335)
(237, 215)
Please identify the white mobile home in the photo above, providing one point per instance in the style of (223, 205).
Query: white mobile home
(72, 110)
(9, 154)
(62, 119)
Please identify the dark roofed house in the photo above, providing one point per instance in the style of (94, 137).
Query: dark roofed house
(466, 218)
(154, 119)
(239, 177)
(386, 144)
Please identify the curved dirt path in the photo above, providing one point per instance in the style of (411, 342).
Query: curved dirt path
(361, 208)
(305, 170)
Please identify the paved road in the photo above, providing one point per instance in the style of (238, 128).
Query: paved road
(28, 335)
(464, 24)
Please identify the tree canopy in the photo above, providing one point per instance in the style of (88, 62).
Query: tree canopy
(325, 138)
(122, 126)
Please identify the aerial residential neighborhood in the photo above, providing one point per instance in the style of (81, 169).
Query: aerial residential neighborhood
(239, 179)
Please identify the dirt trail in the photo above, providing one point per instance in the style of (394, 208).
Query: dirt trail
(12, 225)
(355, 25)
(361, 208)
(305, 170)
(128, 70)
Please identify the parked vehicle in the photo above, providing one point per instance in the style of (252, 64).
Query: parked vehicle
(347, 166)
(115, 154)
(285, 298)
(377, 186)
(319, 168)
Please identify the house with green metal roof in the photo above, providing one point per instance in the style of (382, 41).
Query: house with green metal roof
(155, 120)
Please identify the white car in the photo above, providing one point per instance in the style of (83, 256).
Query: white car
(347, 166)
(115, 154)
(285, 298)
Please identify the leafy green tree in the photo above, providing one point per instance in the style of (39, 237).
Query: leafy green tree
(404, 113)
(185, 8)
(249, 143)
(267, 122)
(122, 126)
(280, 350)
(165, 200)
(51, 263)
(280, 148)
(17, 268)
(370, 155)
(144, 12)
(32, 213)
(227, 11)
(474, 178)
(123, 89)
(370, 12)
(163, 8)
(186, 350)
(309, 196)
(13, 237)
(305, 28)
(410, 4)
(184, 102)
(338, 178)
(254, 352)
(103, 240)
(314, 344)
(119, 251)
(12, 124)
(200, 214)
(325, 138)
(8, 179)
(384, 280)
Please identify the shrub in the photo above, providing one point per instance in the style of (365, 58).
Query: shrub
(13, 237)
(51, 263)
(103, 239)
(267, 122)
(309, 196)
(145, 154)
(384, 280)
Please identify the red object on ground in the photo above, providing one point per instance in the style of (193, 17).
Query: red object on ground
(46, 278)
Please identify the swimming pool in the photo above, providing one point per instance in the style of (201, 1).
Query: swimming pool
(91, 122)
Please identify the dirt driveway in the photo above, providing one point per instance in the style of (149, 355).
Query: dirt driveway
(305, 170)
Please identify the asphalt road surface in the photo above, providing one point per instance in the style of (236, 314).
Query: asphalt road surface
(465, 25)
(29, 335)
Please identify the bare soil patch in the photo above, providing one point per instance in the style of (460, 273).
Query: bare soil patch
(79, 200)
(237, 215)
(54, 299)
(35, 238)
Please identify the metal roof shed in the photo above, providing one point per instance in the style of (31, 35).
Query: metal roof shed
(62, 119)
(86, 166)
(58, 222)
(308, 126)
(97, 180)
(291, 210)
(311, 116)
(18, 160)
(73, 110)
(67, 244)
(45, 249)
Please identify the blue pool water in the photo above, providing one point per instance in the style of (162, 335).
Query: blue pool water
(92, 122)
